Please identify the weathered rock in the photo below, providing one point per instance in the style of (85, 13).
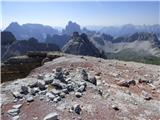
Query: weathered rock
(55, 92)
(24, 90)
(50, 95)
(78, 94)
(65, 91)
(51, 116)
(59, 69)
(84, 74)
(48, 80)
(115, 107)
(17, 94)
(17, 106)
(93, 80)
(70, 87)
(29, 99)
(40, 76)
(59, 73)
(33, 84)
(100, 92)
(33, 91)
(146, 95)
(98, 73)
(13, 112)
(143, 80)
(59, 85)
(66, 73)
(77, 108)
(126, 83)
(82, 88)
(62, 95)
(56, 99)
(15, 117)
(41, 85)
(43, 92)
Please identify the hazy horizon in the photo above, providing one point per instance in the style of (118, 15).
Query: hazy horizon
(91, 13)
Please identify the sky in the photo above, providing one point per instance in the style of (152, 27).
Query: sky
(94, 13)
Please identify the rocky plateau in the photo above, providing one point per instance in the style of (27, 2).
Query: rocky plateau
(84, 88)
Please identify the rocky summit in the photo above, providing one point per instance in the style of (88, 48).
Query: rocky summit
(80, 45)
(84, 88)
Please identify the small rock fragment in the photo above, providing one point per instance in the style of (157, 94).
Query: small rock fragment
(82, 88)
(41, 85)
(57, 99)
(146, 95)
(78, 94)
(77, 108)
(15, 117)
(93, 80)
(62, 95)
(84, 74)
(13, 112)
(29, 99)
(24, 90)
(115, 107)
(50, 96)
(126, 83)
(17, 94)
(17, 106)
(51, 116)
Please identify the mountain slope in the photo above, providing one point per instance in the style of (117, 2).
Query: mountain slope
(142, 43)
(22, 47)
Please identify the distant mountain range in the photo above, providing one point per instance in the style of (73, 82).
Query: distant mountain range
(40, 32)
(129, 29)
(125, 42)
(26, 31)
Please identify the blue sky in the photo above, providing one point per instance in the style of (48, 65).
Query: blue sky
(84, 13)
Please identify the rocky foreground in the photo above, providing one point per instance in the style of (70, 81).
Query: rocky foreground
(84, 88)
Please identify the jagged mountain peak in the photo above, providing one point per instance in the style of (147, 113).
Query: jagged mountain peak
(80, 45)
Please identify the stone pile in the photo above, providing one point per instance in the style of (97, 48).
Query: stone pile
(54, 87)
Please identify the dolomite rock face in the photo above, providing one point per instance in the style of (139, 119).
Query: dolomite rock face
(88, 88)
